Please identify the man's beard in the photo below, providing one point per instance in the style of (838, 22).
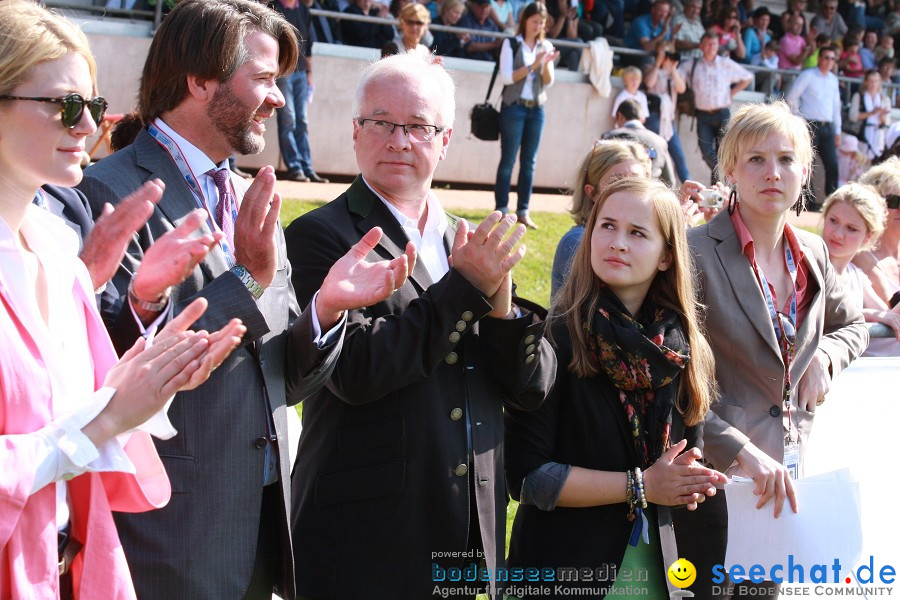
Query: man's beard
(232, 117)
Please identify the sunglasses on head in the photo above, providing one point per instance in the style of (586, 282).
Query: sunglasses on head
(72, 107)
(893, 201)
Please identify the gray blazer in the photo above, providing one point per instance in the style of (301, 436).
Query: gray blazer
(203, 544)
(749, 367)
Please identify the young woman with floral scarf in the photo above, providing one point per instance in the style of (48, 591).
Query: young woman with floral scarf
(598, 465)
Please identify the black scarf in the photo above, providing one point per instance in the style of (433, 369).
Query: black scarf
(642, 356)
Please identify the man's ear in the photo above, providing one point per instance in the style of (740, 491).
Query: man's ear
(201, 89)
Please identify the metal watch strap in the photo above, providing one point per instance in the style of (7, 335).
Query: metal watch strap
(249, 282)
(144, 304)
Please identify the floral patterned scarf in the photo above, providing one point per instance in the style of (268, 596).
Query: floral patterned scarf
(642, 356)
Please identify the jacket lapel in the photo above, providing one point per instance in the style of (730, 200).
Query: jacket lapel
(740, 276)
(815, 283)
(372, 213)
(178, 200)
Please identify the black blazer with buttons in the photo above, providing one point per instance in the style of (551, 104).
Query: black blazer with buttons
(382, 475)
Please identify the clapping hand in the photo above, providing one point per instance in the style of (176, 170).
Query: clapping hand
(105, 247)
(352, 282)
(488, 254)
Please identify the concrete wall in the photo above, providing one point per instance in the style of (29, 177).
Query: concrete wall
(575, 114)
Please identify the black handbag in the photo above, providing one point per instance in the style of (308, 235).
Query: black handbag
(485, 118)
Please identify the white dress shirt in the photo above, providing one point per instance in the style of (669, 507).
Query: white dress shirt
(816, 97)
(429, 243)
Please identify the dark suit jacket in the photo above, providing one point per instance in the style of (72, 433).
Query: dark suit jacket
(582, 424)
(203, 544)
(383, 475)
(71, 206)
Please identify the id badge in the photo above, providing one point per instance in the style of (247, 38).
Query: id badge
(792, 458)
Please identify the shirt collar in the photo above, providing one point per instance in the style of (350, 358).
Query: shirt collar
(196, 159)
(435, 221)
(746, 239)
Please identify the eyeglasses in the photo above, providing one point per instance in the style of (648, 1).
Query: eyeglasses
(72, 107)
(415, 23)
(414, 131)
(826, 57)
(893, 201)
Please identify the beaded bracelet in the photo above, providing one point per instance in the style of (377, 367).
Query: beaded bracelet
(639, 485)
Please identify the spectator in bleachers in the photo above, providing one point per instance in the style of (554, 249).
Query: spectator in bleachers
(728, 28)
(862, 13)
(612, 13)
(867, 50)
(870, 111)
(413, 25)
(505, 14)
(689, 29)
(816, 97)
(480, 47)
(794, 48)
(886, 69)
(715, 80)
(663, 79)
(396, 9)
(324, 30)
(367, 35)
(850, 62)
(647, 31)
(631, 79)
(828, 20)
(434, 8)
(562, 24)
(757, 36)
(885, 48)
(822, 41)
(447, 43)
(783, 24)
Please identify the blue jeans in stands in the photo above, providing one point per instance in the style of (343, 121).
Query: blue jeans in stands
(675, 149)
(520, 127)
(293, 135)
(710, 127)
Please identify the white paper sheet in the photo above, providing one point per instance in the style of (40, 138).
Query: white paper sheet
(827, 527)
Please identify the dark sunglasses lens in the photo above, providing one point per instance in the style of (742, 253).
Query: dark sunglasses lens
(72, 107)
(98, 108)
(893, 201)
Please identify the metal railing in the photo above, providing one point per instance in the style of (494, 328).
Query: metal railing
(127, 13)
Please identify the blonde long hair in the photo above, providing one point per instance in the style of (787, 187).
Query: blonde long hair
(673, 288)
(30, 35)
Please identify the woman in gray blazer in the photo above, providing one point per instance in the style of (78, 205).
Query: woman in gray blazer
(778, 323)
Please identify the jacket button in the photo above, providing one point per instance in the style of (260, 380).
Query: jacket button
(529, 339)
(460, 326)
(454, 337)
(451, 358)
(775, 411)
(456, 414)
(529, 349)
(260, 443)
(461, 470)
(467, 316)
(529, 359)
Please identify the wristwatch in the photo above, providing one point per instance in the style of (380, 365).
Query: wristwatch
(155, 307)
(246, 278)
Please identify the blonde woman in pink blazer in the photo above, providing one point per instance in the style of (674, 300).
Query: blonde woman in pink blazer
(69, 452)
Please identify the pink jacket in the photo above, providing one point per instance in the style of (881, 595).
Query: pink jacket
(28, 536)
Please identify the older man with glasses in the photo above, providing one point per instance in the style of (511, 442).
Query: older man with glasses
(815, 95)
(399, 484)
